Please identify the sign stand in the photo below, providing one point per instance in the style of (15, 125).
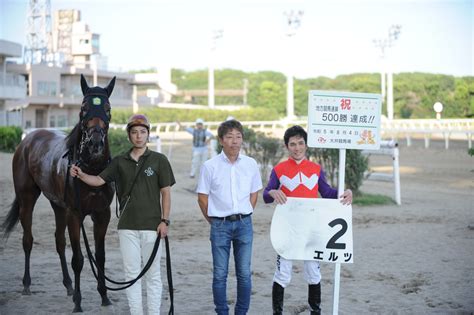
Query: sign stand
(337, 269)
(343, 120)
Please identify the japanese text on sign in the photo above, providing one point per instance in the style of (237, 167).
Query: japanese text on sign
(344, 120)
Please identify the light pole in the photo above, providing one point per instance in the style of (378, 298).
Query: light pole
(293, 19)
(384, 44)
(438, 108)
(210, 87)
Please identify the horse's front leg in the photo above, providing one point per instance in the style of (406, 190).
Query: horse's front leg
(74, 226)
(101, 222)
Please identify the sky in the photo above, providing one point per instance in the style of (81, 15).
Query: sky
(335, 36)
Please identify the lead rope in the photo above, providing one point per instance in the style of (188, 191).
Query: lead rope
(126, 284)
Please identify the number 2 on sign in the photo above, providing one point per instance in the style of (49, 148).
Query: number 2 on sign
(332, 241)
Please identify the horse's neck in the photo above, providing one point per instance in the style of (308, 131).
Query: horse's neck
(96, 166)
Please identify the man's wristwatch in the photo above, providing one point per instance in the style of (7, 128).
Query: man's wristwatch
(166, 221)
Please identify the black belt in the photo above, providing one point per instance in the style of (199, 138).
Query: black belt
(234, 217)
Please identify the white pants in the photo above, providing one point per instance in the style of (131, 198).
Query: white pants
(136, 248)
(199, 157)
(282, 276)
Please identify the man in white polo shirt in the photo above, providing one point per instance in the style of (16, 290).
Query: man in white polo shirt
(227, 194)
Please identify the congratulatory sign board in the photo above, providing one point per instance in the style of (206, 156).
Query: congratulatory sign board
(343, 120)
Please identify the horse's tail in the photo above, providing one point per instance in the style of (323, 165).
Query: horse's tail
(12, 218)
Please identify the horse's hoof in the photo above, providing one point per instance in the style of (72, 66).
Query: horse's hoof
(106, 301)
(26, 291)
(69, 288)
(77, 309)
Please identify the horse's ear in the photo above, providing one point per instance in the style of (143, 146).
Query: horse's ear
(110, 87)
(84, 86)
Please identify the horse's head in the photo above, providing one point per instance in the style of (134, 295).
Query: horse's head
(94, 119)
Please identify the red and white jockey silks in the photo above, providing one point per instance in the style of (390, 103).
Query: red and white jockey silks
(298, 180)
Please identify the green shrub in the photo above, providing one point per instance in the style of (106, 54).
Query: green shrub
(118, 142)
(266, 150)
(329, 160)
(363, 199)
(356, 165)
(10, 137)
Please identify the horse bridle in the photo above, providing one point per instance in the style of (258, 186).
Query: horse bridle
(95, 111)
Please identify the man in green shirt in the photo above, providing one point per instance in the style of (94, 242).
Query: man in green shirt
(139, 174)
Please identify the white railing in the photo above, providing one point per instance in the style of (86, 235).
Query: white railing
(264, 126)
(391, 129)
(388, 148)
(429, 128)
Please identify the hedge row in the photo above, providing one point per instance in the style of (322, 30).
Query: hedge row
(160, 115)
(10, 137)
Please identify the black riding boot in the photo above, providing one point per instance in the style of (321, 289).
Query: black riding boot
(314, 298)
(278, 293)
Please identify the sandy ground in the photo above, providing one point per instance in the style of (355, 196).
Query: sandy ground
(416, 258)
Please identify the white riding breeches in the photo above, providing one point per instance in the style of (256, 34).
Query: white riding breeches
(136, 247)
(312, 272)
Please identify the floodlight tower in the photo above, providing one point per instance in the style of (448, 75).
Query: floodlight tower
(384, 45)
(39, 38)
(293, 19)
(210, 87)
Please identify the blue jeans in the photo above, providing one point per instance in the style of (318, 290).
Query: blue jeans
(240, 235)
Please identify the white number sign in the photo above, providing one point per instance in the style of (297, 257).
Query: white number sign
(313, 229)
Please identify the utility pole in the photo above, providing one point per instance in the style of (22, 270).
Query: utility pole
(293, 19)
(384, 45)
(210, 88)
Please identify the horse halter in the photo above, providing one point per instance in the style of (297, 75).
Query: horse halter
(93, 106)
(96, 107)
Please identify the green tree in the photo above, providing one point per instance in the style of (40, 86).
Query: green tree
(356, 165)
(462, 97)
(414, 93)
(271, 95)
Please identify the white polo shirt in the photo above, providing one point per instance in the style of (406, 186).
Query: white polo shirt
(229, 185)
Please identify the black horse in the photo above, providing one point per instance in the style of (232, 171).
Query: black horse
(40, 165)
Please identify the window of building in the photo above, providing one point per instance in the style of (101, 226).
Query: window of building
(52, 121)
(47, 88)
(61, 121)
(95, 43)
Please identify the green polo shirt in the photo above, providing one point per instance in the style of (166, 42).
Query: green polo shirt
(143, 211)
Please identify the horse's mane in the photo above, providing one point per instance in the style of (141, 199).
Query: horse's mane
(73, 137)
